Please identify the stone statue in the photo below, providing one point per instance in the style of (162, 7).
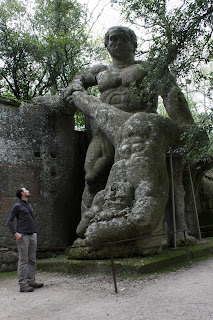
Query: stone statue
(131, 143)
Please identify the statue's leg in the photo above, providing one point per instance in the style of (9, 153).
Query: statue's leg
(90, 213)
(137, 188)
(131, 211)
(179, 193)
(98, 162)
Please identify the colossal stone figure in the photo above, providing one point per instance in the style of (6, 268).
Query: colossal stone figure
(131, 202)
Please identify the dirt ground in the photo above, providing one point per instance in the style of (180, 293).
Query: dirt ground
(185, 294)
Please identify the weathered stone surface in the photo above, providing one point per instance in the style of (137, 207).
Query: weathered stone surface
(39, 149)
(136, 193)
(205, 203)
(8, 260)
(131, 202)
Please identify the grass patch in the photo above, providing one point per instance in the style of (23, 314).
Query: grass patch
(8, 274)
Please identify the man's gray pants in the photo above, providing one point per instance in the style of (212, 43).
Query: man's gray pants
(27, 259)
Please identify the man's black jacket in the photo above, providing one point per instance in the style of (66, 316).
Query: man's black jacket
(23, 212)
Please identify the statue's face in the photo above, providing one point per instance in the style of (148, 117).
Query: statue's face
(120, 44)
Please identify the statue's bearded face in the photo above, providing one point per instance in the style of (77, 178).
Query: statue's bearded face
(120, 44)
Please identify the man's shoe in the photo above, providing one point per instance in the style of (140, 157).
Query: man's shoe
(36, 285)
(26, 289)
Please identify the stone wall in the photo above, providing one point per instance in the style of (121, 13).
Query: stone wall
(40, 150)
(205, 203)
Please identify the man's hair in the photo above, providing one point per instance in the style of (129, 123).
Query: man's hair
(125, 29)
(18, 193)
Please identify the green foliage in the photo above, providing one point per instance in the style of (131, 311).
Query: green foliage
(197, 141)
(181, 36)
(79, 116)
(187, 26)
(41, 50)
(14, 43)
(181, 39)
(79, 121)
(63, 42)
(94, 91)
(161, 109)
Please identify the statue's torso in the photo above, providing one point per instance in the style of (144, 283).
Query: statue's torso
(122, 88)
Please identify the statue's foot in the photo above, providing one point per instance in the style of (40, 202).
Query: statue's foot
(189, 240)
(81, 251)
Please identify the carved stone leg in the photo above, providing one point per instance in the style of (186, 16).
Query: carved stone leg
(98, 162)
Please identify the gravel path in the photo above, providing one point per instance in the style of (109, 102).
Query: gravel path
(186, 294)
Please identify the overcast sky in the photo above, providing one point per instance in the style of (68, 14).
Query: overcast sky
(109, 14)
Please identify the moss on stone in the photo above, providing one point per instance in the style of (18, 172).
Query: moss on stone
(168, 260)
(10, 101)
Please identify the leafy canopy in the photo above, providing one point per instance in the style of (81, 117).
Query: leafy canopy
(41, 50)
(180, 34)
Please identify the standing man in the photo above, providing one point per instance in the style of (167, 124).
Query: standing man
(26, 238)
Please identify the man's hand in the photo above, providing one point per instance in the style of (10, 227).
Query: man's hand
(18, 236)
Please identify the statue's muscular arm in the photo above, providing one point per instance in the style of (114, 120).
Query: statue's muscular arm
(109, 118)
(82, 81)
(174, 100)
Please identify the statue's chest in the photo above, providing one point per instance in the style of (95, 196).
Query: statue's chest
(114, 78)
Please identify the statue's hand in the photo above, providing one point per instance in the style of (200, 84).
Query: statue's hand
(75, 85)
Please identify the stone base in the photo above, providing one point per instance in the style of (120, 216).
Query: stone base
(143, 247)
(8, 260)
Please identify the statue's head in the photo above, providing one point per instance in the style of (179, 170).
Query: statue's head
(120, 41)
